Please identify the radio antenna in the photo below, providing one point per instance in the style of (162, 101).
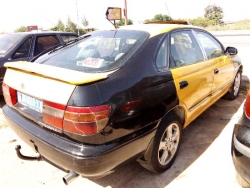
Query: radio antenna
(167, 10)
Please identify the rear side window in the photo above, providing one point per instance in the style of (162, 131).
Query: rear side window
(99, 51)
(24, 50)
(44, 43)
(68, 38)
(162, 56)
(211, 46)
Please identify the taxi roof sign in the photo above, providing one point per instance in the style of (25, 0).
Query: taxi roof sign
(114, 13)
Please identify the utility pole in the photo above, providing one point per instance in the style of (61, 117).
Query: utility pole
(125, 13)
(77, 18)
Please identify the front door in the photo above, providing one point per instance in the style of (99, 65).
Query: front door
(220, 62)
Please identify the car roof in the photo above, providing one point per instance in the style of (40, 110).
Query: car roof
(156, 28)
(40, 33)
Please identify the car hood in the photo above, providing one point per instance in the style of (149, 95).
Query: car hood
(65, 75)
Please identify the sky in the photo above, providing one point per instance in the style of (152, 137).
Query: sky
(46, 13)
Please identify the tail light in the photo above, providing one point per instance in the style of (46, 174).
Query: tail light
(247, 105)
(10, 94)
(86, 120)
(53, 114)
(76, 120)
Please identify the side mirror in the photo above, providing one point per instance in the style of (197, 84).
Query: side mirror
(231, 50)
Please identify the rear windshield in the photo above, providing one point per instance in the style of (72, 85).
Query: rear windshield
(7, 41)
(100, 51)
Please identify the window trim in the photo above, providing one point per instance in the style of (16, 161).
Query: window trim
(165, 38)
(195, 39)
(203, 31)
(30, 49)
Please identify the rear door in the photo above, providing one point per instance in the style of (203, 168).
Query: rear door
(192, 75)
(221, 63)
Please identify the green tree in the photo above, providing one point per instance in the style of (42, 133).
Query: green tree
(200, 21)
(82, 31)
(159, 17)
(59, 26)
(21, 29)
(71, 26)
(122, 22)
(85, 22)
(214, 14)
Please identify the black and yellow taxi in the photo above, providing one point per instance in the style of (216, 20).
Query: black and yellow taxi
(115, 95)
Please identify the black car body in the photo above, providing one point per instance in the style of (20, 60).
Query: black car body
(23, 46)
(241, 145)
(117, 95)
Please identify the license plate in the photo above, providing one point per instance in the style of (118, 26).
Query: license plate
(30, 102)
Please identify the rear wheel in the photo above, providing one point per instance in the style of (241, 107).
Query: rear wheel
(166, 144)
(235, 88)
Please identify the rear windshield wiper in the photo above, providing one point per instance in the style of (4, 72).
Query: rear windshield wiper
(59, 46)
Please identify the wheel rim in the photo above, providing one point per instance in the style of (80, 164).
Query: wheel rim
(169, 144)
(237, 84)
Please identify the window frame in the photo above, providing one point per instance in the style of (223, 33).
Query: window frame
(165, 39)
(40, 36)
(213, 37)
(29, 51)
(195, 45)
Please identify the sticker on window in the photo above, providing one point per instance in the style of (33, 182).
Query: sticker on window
(90, 62)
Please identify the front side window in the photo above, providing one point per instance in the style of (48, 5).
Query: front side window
(184, 49)
(44, 43)
(23, 51)
(211, 46)
(98, 51)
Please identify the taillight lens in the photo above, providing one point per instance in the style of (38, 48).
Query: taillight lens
(53, 114)
(76, 120)
(10, 94)
(86, 120)
(247, 105)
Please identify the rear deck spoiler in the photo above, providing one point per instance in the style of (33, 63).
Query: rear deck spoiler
(57, 73)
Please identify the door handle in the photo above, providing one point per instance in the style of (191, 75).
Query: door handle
(216, 71)
(183, 84)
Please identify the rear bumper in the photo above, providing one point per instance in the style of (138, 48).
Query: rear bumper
(86, 160)
(241, 151)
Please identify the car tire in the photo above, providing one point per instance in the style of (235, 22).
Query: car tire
(243, 183)
(235, 88)
(166, 144)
